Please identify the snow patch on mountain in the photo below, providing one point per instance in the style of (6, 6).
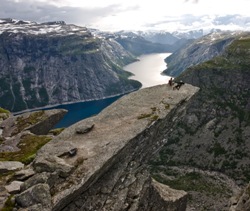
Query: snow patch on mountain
(33, 28)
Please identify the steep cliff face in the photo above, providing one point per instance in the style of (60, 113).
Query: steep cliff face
(100, 163)
(51, 63)
(198, 51)
(213, 134)
(138, 45)
(164, 37)
(140, 42)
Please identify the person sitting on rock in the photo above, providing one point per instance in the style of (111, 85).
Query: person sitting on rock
(171, 82)
(179, 84)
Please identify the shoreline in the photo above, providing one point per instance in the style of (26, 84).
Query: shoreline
(68, 103)
(89, 100)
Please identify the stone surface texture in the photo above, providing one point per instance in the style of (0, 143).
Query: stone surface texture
(109, 170)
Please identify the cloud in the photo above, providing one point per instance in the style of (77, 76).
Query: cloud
(41, 12)
(131, 14)
(193, 1)
(232, 19)
(184, 20)
(190, 22)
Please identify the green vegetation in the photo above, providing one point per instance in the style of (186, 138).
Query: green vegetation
(56, 131)
(32, 119)
(28, 69)
(5, 83)
(44, 96)
(154, 117)
(9, 204)
(77, 46)
(1, 140)
(19, 104)
(167, 106)
(2, 110)
(192, 181)
(217, 149)
(29, 145)
(27, 84)
(227, 164)
(143, 116)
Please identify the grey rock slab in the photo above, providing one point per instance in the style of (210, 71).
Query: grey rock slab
(6, 166)
(36, 179)
(24, 174)
(14, 187)
(85, 128)
(38, 194)
(43, 122)
(114, 127)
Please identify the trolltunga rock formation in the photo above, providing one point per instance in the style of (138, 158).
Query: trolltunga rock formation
(108, 169)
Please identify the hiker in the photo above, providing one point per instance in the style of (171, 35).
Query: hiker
(171, 82)
(179, 84)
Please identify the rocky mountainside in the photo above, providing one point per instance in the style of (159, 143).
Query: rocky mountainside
(96, 164)
(135, 43)
(138, 45)
(101, 163)
(208, 149)
(139, 42)
(54, 63)
(198, 51)
(170, 38)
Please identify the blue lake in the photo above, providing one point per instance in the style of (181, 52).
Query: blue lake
(147, 70)
(82, 110)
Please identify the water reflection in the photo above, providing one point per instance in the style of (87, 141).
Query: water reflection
(148, 69)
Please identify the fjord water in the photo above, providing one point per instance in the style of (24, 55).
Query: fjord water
(82, 110)
(147, 70)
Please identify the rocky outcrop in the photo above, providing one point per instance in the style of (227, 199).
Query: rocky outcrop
(48, 64)
(7, 166)
(213, 134)
(198, 51)
(157, 196)
(108, 170)
(37, 122)
(21, 137)
(242, 201)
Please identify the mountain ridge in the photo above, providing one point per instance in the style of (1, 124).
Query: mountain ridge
(52, 63)
(200, 50)
(213, 135)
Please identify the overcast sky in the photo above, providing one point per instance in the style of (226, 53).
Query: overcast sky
(115, 15)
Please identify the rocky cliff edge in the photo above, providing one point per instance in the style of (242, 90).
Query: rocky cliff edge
(99, 163)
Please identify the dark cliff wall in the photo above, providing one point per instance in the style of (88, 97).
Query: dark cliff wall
(214, 133)
(47, 69)
(197, 51)
(125, 183)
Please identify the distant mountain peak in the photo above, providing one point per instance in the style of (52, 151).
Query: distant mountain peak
(29, 27)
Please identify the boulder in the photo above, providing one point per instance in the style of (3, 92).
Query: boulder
(53, 164)
(52, 118)
(38, 194)
(85, 128)
(171, 199)
(4, 116)
(37, 122)
(7, 166)
(24, 174)
(36, 179)
(243, 202)
(14, 187)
